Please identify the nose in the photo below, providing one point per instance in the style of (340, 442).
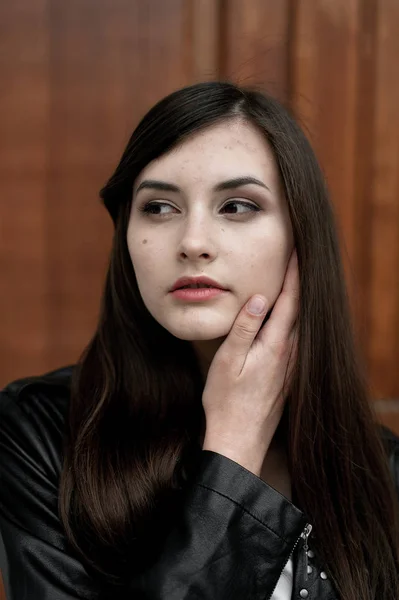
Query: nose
(198, 240)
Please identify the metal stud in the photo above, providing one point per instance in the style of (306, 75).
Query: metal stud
(304, 593)
(310, 569)
(310, 553)
(323, 575)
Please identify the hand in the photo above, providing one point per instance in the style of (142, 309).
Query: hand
(249, 378)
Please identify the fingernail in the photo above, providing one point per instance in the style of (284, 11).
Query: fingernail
(256, 305)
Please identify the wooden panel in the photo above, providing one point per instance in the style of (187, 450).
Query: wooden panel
(384, 215)
(345, 92)
(254, 44)
(202, 26)
(24, 102)
(363, 170)
(336, 61)
(79, 77)
(324, 85)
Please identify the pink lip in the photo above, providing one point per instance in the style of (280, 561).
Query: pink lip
(197, 294)
(201, 279)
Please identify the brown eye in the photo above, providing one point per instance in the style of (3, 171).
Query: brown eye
(151, 208)
(251, 207)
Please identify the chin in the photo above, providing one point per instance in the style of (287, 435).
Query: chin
(197, 338)
(199, 334)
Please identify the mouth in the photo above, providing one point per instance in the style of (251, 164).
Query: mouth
(195, 282)
(197, 294)
(197, 286)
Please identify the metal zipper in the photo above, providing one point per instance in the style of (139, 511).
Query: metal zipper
(304, 535)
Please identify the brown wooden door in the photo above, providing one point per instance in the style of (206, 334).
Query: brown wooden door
(78, 75)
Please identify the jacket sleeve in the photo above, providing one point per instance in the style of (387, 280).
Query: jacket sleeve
(38, 563)
(235, 536)
(232, 540)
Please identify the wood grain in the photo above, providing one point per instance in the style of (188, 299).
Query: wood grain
(24, 105)
(384, 214)
(254, 44)
(324, 88)
(77, 76)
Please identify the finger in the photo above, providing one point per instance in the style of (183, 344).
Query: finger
(286, 309)
(245, 328)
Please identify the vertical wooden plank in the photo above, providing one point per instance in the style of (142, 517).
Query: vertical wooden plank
(23, 170)
(363, 164)
(324, 82)
(384, 216)
(81, 139)
(254, 44)
(203, 29)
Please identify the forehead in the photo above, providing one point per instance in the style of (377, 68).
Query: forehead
(225, 150)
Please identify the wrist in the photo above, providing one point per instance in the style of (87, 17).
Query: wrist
(249, 458)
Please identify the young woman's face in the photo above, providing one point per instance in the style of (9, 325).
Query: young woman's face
(240, 236)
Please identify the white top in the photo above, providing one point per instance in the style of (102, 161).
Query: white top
(283, 590)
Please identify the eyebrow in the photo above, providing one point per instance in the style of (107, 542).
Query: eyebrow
(229, 184)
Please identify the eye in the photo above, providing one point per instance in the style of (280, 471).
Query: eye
(250, 206)
(151, 207)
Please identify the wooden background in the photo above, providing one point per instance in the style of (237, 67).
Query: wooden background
(76, 77)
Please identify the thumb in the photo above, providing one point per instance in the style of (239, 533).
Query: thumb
(246, 326)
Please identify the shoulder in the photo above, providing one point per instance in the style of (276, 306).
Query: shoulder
(33, 415)
(60, 378)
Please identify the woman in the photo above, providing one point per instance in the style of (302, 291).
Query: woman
(199, 450)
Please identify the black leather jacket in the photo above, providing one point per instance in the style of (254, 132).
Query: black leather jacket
(234, 538)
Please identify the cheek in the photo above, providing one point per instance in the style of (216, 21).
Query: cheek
(142, 252)
(140, 256)
(262, 269)
(148, 264)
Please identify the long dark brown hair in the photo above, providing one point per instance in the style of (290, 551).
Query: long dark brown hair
(136, 416)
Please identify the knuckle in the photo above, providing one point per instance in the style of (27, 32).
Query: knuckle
(244, 330)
